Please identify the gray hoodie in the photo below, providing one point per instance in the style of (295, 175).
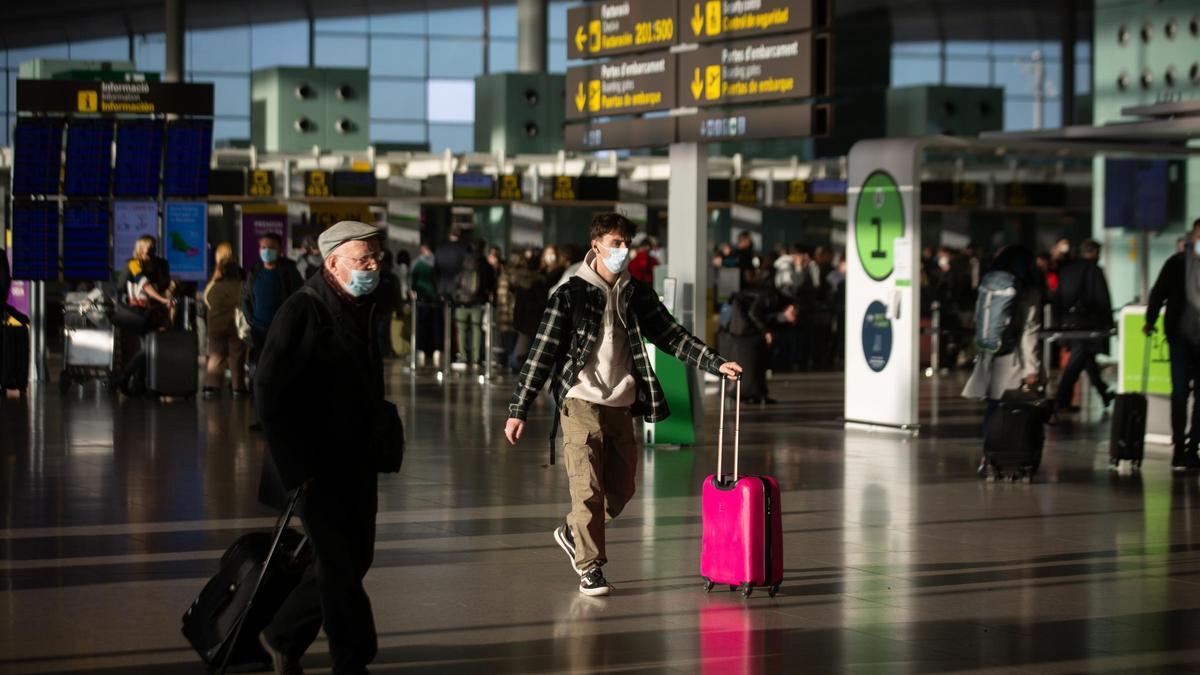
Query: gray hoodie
(607, 379)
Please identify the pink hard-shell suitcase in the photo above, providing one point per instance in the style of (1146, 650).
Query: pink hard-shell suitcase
(742, 540)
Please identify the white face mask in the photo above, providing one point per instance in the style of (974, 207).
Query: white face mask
(1196, 248)
(617, 259)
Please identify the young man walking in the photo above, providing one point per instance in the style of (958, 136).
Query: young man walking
(590, 344)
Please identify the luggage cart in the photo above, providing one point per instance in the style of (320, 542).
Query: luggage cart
(88, 340)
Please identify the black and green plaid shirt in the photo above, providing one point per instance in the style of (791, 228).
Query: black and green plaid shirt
(571, 346)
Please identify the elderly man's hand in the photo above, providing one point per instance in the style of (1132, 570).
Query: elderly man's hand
(513, 430)
(731, 369)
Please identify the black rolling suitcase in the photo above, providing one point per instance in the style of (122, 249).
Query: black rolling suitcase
(1015, 435)
(256, 575)
(14, 357)
(1127, 438)
(171, 363)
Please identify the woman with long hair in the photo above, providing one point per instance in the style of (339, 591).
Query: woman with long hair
(225, 346)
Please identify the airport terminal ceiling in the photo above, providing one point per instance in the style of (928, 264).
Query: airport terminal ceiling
(25, 24)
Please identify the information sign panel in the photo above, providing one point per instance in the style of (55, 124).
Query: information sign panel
(130, 221)
(85, 241)
(634, 133)
(621, 27)
(748, 71)
(712, 20)
(633, 85)
(185, 227)
(781, 121)
(37, 152)
(89, 158)
(316, 183)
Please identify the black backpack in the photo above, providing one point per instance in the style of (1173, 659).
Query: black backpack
(469, 281)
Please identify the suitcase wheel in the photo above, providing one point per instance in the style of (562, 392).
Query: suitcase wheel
(747, 589)
(708, 585)
(734, 587)
(773, 591)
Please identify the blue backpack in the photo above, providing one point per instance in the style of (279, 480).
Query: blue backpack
(996, 329)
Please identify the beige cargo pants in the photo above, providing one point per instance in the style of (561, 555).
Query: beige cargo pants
(601, 455)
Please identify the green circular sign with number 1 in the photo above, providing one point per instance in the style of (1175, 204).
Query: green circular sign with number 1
(878, 222)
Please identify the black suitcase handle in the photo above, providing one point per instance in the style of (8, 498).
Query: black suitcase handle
(231, 640)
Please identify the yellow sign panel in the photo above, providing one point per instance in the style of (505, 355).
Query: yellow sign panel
(594, 98)
(712, 17)
(89, 101)
(260, 184)
(316, 184)
(510, 187)
(564, 189)
(325, 214)
(712, 83)
(797, 192)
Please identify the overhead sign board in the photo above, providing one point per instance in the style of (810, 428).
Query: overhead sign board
(712, 20)
(633, 133)
(748, 71)
(823, 191)
(622, 27)
(625, 86)
(780, 121)
(113, 98)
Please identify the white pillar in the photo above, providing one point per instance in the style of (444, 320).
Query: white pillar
(687, 234)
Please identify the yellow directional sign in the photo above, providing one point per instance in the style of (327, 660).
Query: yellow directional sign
(747, 71)
(712, 83)
(262, 183)
(623, 86)
(510, 187)
(712, 20)
(611, 27)
(697, 84)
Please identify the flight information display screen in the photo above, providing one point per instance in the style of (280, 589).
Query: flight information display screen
(89, 158)
(37, 155)
(35, 241)
(85, 234)
(139, 158)
(189, 153)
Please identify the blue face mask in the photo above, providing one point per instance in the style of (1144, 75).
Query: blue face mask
(362, 282)
(617, 259)
(268, 255)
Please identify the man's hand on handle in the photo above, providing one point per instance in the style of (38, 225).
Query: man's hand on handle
(1148, 329)
(731, 370)
(513, 430)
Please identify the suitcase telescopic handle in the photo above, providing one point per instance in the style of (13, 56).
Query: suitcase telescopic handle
(1146, 365)
(737, 429)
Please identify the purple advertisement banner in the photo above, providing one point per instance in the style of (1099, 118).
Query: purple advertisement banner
(257, 221)
(18, 293)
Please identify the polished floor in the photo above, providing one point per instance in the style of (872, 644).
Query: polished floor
(898, 559)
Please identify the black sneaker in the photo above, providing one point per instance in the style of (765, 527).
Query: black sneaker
(593, 583)
(280, 663)
(562, 536)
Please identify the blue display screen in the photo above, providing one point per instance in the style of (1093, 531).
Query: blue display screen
(37, 156)
(89, 158)
(139, 156)
(35, 241)
(1136, 193)
(189, 153)
(85, 241)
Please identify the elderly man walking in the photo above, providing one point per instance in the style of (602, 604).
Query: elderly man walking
(319, 389)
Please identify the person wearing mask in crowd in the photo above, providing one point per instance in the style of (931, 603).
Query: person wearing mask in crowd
(272, 281)
(600, 381)
(225, 348)
(641, 263)
(995, 374)
(1083, 303)
(146, 297)
(310, 261)
(476, 286)
(746, 257)
(320, 365)
(429, 307)
(727, 255)
(1178, 286)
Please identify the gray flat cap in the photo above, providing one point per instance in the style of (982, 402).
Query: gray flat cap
(347, 230)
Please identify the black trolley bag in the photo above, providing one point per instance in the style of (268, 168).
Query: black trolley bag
(1016, 434)
(256, 575)
(1127, 438)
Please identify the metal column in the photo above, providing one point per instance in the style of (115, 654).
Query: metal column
(531, 35)
(173, 28)
(687, 234)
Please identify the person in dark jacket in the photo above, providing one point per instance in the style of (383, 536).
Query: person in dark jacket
(1082, 302)
(272, 281)
(448, 262)
(319, 364)
(1178, 285)
(590, 347)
